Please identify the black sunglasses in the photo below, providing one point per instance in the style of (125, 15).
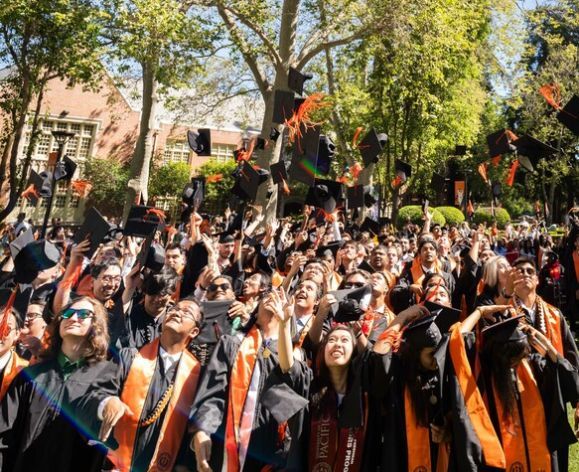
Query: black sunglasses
(223, 286)
(354, 285)
(81, 313)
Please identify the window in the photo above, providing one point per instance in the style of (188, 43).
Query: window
(60, 201)
(43, 146)
(176, 151)
(74, 201)
(222, 152)
(62, 186)
(44, 202)
(84, 148)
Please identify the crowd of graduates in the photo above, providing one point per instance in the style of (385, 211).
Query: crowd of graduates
(306, 343)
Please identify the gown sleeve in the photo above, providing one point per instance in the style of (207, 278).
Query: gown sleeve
(12, 419)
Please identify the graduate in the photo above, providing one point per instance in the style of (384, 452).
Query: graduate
(10, 362)
(248, 413)
(40, 425)
(154, 391)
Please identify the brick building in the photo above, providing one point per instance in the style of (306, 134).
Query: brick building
(106, 125)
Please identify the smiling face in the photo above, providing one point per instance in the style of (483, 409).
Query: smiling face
(107, 283)
(339, 348)
(75, 326)
(34, 323)
(220, 289)
(306, 295)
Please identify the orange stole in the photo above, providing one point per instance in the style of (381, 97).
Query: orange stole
(15, 365)
(418, 273)
(474, 403)
(535, 436)
(135, 393)
(238, 386)
(553, 325)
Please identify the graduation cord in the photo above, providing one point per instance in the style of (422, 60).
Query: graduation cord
(159, 408)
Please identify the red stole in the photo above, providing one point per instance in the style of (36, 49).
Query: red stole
(135, 393)
(14, 366)
(535, 434)
(576, 264)
(335, 449)
(238, 387)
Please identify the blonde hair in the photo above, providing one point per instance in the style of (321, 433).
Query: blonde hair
(491, 272)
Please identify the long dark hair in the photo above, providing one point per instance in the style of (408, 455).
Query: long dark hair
(322, 383)
(500, 357)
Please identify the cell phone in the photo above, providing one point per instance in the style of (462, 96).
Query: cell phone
(425, 205)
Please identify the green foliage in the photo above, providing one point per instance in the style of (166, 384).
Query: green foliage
(109, 181)
(169, 180)
(518, 206)
(484, 215)
(217, 194)
(414, 213)
(452, 215)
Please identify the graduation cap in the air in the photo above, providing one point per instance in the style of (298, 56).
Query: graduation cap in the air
(216, 322)
(459, 150)
(370, 147)
(504, 331)
(274, 134)
(65, 169)
(365, 265)
(247, 182)
(33, 258)
(308, 142)
(18, 244)
(200, 141)
(194, 192)
(497, 189)
(305, 157)
(355, 196)
(330, 249)
(95, 227)
(296, 80)
(422, 333)
(279, 172)
(324, 194)
(350, 303)
(531, 150)
(369, 199)
(372, 226)
(326, 153)
(402, 170)
(499, 143)
(569, 115)
(155, 257)
(445, 316)
(260, 143)
(142, 221)
(282, 401)
(283, 106)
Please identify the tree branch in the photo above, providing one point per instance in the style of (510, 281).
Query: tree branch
(307, 55)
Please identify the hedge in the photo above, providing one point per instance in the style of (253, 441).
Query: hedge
(414, 212)
(484, 215)
(452, 215)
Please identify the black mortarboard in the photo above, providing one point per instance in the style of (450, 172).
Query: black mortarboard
(247, 182)
(459, 150)
(382, 139)
(155, 259)
(33, 258)
(422, 333)
(329, 249)
(324, 194)
(274, 134)
(531, 150)
(369, 199)
(499, 143)
(446, 316)
(144, 251)
(216, 322)
(569, 115)
(326, 153)
(65, 169)
(283, 106)
(260, 143)
(504, 331)
(308, 142)
(403, 170)
(365, 265)
(21, 241)
(194, 192)
(278, 172)
(200, 141)
(355, 196)
(497, 189)
(141, 221)
(371, 226)
(303, 169)
(296, 79)
(351, 303)
(95, 226)
(282, 401)
(370, 148)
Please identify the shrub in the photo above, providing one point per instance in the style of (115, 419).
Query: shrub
(484, 215)
(452, 215)
(414, 212)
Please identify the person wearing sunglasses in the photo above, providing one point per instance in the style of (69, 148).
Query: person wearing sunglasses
(41, 427)
(144, 421)
(29, 342)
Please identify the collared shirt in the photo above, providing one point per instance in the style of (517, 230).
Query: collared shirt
(169, 360)
(302, 322)
(5, 359)
(67, 366)
(529, 312)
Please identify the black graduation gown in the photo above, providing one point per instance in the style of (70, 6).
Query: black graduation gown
(282, 397)
(40, 424)
(140, 327)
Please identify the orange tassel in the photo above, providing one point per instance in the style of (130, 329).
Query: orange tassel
(160, 214)
(392, 337)
(81, 187)
(482, 170)
(285, 187)
(356, 137)
(469, 208)
(512, 172)
(303, 115)
(343, 179)
(210, 179)
(496, 160)
(355, 170)
(245, 155)
(4, 328)
(397, 181)
(511, 136)
(30, 192)
(552, 94)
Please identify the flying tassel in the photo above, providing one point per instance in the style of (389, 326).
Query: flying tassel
(469, 208)
(397, 181)
(245, 154)
(285, 187)
(355, 170)
(552, 94)
(81, 187)
(30, 192)
(211, 179)
(303, 116)
(356, 137)
(512, 172)
(160, 214)
(510, 135)
(482, 170)
(343, 179)
(4, 328)
(496, 160)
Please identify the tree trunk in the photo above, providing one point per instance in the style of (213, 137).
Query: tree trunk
(141, 161)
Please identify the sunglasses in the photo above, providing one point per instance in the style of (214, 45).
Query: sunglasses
(214, 287)
(354, 285)
(81, 313)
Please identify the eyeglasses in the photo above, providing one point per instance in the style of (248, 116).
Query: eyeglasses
(354, 285)
(182, 313)
(214, 287)
(81, 313)
(111, 279)
(528, 271)
(30, 318)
